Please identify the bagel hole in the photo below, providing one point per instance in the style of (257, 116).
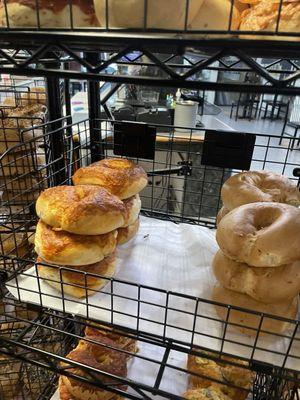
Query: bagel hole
(265, 218)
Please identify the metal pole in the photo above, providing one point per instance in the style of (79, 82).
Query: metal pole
(93, 89)
(56, 142)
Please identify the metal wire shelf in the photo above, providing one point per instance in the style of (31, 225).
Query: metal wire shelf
(173, 173)
(165, 358)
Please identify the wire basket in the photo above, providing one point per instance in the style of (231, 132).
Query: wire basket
(184, 186)
(20, 380)
(155, 365)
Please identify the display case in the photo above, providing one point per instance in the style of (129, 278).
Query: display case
(170, 318)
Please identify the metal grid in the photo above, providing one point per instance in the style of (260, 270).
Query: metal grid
(164, 357)
(21, 380)
(178, 64)
(171, 194)
(186, 23)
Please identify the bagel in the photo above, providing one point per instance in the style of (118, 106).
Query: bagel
(255, 186)
(78, 284)
(128, 233)
(207, 369)
(209, 393)
(121, 177)
(63, 248)
(261, 234)
(216, 15)
(160, 15)
(223, 211)
(264, 17)
(250, 322)
(36, 95)
(124, 342)
(133, 208)
(83, 210)
(98, 356)
(13, 164)
(268, 285)
(64, 394)
(54, 14)
(11, 239)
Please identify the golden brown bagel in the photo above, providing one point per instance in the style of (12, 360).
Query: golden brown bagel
(128, 233)
(65, 395)
(261, 234)
(36, 95)
(84, 209)
(223, 211)
(78, 284)
(12, 237)
(208, 369)
(264, 16)
(255, 186)
(124, 342)
(160, 15)
(268, 285)
(57, 14)
(286, 309)
(19, 163)
(63, 248)
(121, 177)
(215, 15)
(133, 208)
(210, 393)
(97, 356)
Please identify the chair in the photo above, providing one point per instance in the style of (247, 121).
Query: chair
(249, 102)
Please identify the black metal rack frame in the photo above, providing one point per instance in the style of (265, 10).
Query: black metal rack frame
(269, 382)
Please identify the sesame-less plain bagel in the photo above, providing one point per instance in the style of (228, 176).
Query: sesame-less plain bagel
(160, 14)
(255, 186)
(120, 176)
(216, 15)
(268, 285)
(84, 210)
(261, 234)
(248, 322)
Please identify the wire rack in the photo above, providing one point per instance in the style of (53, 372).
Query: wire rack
(20, 380)
(183, 18)
(165, 358)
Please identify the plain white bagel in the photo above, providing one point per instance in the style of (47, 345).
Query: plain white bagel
(160, 14)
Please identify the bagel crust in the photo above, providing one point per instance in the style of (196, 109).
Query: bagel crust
(223, 211)
(268, 285)
(261, 234)
(286, 309)
(255, 186)
(79, 284)
(63, 248)
(133, 208)
(120, 176)
(97, 356)
(208, 369)
(128, 233)
(84, 210)
(160, 14)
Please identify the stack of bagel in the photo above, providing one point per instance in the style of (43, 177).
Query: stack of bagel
(80, 226)
(105, 350)
(122, 178)
(258, 264)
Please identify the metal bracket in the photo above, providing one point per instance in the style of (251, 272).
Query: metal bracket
(184, 170)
